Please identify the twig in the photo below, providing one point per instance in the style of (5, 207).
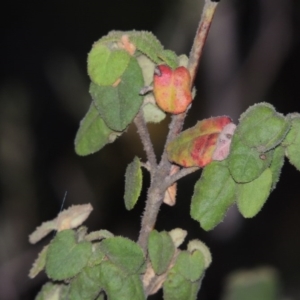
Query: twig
(182, 173)
(145, 138)
(200, 38)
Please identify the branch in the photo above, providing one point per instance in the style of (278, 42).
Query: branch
(200, 38)
(180, 174)
(158, 185)
(145, 138)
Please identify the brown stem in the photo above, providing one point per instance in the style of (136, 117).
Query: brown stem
(145, 138)
(159, 180)
(200, 38)
(180, 174)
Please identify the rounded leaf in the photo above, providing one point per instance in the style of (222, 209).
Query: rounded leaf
(176, 287)
(161, 250)
(195, 146)
(172, 89)
(252, 196)
(124, 253)
(190, 265)
(119, 104)
(292, 142)
(262, 127)
(245, 163)
(106, 65)
(214, 192)
(119, 285)
(66, 257)
(93, 134)
(86, 286)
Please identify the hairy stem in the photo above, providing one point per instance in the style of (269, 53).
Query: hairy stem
(145, 138)
(161, 180)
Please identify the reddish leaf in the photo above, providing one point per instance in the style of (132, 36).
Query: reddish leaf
(195, 146)
(172, 89)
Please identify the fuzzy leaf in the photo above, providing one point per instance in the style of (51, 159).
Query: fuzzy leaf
(178, 235)
(39, 263)
(147, 67)
(152, 113)
(292, 142)
(172, 89)
(161, 250)
(277, 164)
(190, 265)
(97, 255)
(93, 134)
(198, 245)
(245, 163)
(66, 257)
(169, 57)
(51, 291)
(69, 218)
(133, 183)
(195, 146)
(262, 127)
(119, 104)
(124, 253)
(106, 65)
(86, 286)
(119, 285)
(176, 287)
(98, 235)
(252, 196)
(147, 43)
(214, 192)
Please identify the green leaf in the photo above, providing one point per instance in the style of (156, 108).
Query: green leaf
(119, 285)
(190, 265)
(277, 164)
(98, 235)
(39, 263)
(124, 253)
(97, 255)
(161, 250)
(133, 183)
(199, 245)
(245, 163)
(292, 142)
(262, 127)
(147, 67)
(106, 65)
(178, 236)
(176, 287)
(252, 196)
(170, 58)
(93, 134)
(147, 43)
(152, 113)
(214, 192)
(51, 291)
(118, 105)
(66, 257)
(86, 286)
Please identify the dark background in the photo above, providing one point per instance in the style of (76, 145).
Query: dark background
(252, 55)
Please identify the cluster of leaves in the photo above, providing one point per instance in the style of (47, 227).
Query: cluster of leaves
(88, 266)
(260, 143)
(120, 65)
